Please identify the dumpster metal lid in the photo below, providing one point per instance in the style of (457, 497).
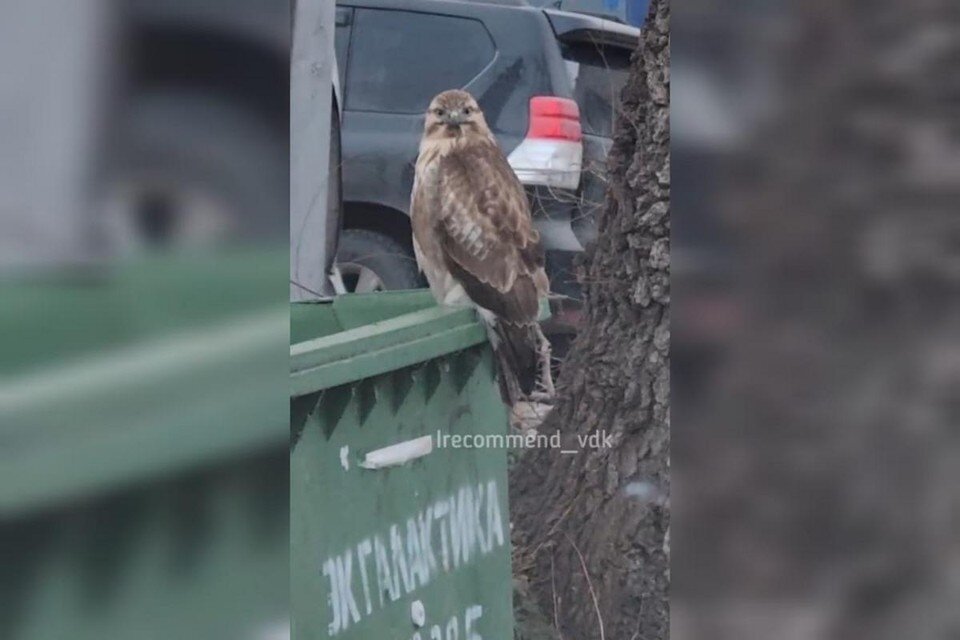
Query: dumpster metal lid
(381, 332)
(379, 347)
(192, 383)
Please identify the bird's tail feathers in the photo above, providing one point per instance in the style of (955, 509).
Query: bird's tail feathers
(517, 348)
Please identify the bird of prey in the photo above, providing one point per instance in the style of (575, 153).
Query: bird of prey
(475, 241)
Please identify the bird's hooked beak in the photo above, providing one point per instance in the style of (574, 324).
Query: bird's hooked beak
(454, 117)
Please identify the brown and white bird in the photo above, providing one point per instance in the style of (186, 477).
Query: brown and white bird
(476, 243)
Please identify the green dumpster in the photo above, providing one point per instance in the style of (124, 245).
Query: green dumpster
(143, 452)
(399, 523)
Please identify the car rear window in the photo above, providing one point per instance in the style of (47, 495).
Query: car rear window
(598, 73)
(399, 60)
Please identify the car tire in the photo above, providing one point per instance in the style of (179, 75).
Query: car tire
(195, 169)
(371, 261)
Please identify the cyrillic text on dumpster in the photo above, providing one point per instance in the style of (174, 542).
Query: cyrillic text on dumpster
(456, 530)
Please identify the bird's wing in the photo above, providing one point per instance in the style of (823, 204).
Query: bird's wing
(488, 239)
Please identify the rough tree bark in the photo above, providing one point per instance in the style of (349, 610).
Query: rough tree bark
(826, 460)
(592, 529)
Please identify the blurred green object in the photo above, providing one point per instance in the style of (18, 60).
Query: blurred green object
(392, 535)
(143, 451)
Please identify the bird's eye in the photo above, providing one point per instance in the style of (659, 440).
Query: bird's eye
(467, 110)
(438, 112)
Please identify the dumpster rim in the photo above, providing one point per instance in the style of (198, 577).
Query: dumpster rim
(380, 347)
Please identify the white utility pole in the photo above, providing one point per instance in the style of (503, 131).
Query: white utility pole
(311, 90)
(54, 68)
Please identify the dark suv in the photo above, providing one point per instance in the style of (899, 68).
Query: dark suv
(524, 65)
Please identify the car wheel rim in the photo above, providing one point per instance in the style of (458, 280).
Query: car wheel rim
(360, 279)
(141, 214)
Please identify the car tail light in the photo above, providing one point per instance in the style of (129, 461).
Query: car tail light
(554, 118)
(551, 154)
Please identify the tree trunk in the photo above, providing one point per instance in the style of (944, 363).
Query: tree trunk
(592, 528)
(826, 460)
